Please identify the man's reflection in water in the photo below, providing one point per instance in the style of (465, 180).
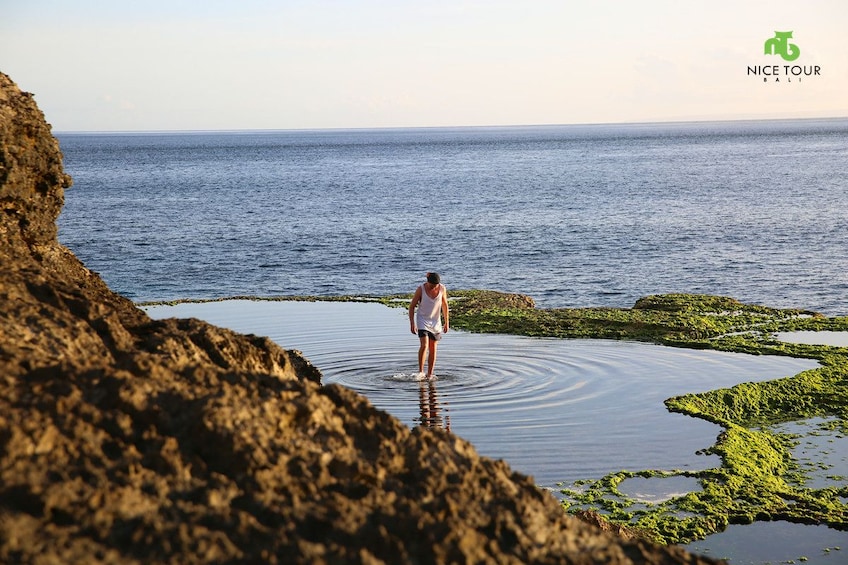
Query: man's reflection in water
(431, 410)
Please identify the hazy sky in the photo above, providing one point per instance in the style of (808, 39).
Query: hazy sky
(275, 64)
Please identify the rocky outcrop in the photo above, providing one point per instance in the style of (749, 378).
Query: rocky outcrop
(128, 440)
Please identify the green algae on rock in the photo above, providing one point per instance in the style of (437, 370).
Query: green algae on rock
(758, 479)
(673, 319)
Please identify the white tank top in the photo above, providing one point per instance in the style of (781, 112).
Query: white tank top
(428, 316)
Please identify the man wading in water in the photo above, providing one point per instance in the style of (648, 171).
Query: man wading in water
(432, 301)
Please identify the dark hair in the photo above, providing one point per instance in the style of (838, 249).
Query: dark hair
(433, 278)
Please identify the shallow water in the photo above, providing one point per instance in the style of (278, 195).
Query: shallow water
(836, 339)
(776, 542)
(821, 451)
(559, 410)
(654, 490)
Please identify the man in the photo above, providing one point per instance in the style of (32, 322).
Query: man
(431, 298)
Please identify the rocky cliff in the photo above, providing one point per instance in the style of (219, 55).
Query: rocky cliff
(128, 440)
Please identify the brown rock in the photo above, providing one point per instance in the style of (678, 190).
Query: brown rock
(127, 440)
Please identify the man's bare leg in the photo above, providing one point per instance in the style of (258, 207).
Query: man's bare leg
(421, 350)
(431, 360)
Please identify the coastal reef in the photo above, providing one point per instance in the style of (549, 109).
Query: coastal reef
(129, 440)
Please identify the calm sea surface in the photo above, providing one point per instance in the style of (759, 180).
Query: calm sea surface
(571, 215)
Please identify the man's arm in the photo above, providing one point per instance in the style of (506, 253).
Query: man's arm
(445, 309)
(416, 298)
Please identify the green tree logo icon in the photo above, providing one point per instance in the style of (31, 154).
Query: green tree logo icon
(779, 45)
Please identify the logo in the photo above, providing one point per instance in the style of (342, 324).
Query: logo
(779, 45)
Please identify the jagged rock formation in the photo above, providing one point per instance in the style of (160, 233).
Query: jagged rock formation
(128, 440)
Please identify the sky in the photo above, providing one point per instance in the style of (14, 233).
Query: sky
(120, 65)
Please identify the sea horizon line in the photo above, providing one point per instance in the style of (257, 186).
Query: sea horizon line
(681, 122)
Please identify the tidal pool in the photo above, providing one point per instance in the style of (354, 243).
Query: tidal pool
(559, 410)
(836, 339)
(653, 490)
(821, 451)
(774, 543)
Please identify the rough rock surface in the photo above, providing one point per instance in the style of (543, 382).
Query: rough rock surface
(128, 440)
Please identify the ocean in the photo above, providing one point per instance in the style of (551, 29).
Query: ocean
(574, 216)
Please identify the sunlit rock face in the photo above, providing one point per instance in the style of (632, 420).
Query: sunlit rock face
(128, 440)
